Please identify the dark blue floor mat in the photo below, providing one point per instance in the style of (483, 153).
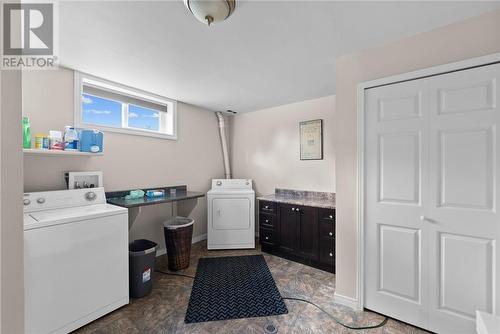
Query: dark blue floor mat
(233, 287)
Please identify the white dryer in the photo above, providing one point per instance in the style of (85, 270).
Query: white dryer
(231, 214)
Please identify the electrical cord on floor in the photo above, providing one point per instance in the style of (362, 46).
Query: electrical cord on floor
(305, 301)
(337, 320)
(173, 274)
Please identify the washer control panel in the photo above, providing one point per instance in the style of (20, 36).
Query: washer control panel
(47, 200)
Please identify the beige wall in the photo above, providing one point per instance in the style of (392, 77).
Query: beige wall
(265, 147)
(128, 161)
(11, 217)
(471, 38)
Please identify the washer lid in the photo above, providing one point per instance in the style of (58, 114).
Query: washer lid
(67, 215)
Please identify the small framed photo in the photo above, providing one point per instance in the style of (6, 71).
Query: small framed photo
(311, 140)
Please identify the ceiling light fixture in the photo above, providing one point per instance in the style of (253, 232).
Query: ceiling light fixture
(211, 11)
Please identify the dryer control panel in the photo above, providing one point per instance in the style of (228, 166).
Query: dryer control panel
(231, 184)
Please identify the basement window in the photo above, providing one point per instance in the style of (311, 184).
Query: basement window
(108, 106)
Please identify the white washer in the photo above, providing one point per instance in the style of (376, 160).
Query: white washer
(231, 214)
(75, 259)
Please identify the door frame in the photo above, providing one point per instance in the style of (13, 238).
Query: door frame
(359, 301)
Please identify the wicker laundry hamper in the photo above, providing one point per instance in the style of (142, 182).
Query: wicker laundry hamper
(178, 235)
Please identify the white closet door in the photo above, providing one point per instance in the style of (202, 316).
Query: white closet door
(432, 225)
(463, 219)
(395, 174)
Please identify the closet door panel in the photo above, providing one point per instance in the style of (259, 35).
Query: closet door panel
(463, 219)
(466, 167)
(396, 159)
(399, 252)
(399, 167)
(431, 199)
(468, 257)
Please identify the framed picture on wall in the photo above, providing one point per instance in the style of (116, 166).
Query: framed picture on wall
(311, 140)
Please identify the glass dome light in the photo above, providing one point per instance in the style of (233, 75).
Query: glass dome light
(211, 11)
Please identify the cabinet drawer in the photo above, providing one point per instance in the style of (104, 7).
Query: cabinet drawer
(267, 221)
(326, 229)
(267, 207)
(327, 251)
(328, 214)
(267, 237)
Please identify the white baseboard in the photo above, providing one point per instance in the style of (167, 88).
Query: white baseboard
(347, 301)
(163, 251)
(199, 238)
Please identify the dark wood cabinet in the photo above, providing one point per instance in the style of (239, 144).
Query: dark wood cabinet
(327, 237)
(327, 252)
(268, 238)
(269, 226)
(267, 207)
(289, 225)
(308, 232)
(301, 233)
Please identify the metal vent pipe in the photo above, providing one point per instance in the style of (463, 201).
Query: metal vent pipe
(223, 140)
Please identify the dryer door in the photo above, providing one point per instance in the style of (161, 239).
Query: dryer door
(231, 213)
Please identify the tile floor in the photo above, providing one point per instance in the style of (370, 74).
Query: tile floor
(164, 309)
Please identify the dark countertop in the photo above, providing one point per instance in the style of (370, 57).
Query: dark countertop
(130, 203)
(117, 197)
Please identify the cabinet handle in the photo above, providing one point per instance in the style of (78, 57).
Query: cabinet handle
(267, 220)
(331, 216)
(293, 209)
(267, 238)
(331, 233)
(266, 207)
(331, 255)
(298, 210)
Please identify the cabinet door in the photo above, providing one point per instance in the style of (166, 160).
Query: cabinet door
(268, 221)
(327, 251)
(289, 228)
(308, 232)
(268, 238)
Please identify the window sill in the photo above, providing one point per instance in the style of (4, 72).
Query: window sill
(127, 131)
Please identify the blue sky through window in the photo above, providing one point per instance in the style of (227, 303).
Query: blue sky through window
(97, 110)
(106, 112)
(143, 118)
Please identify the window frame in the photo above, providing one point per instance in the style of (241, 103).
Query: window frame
(81, 79)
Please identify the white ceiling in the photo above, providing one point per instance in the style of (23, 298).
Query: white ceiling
(266, 54)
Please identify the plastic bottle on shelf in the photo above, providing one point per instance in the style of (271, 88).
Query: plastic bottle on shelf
(26, 133)
(41, 141)
(70, 139)
(56, 140)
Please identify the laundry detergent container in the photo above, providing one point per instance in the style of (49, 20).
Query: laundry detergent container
(142, 255)
(91, 141)
(178, 235)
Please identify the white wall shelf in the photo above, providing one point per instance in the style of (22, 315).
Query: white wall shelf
(38, 152)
